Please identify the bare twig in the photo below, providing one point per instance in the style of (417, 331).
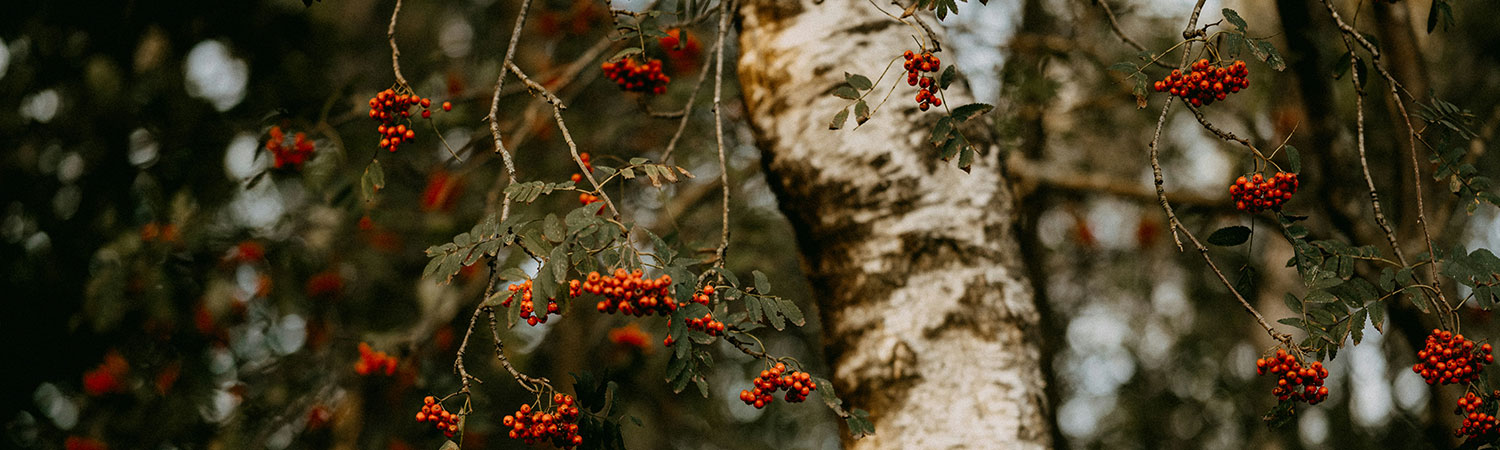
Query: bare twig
(719, 127)
(687, 113)
(557, 108)
(1114, 25)
(1412, 138)
(390, 34)
(494, 116)
(1364, 163)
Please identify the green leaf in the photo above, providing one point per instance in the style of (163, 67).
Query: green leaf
(861, 112)
(1125, 67)
(792, 312)
(553, 229)
(1293, 159)
(970, 111)
(941, 130)
(825, 390)
(624, 53)
(1234, 18)
(1293, 322)
(965, 158)
(1229, 236)
(559, 263)
(846, 91)
(1319, 296)
(1377, 315)
(1292, 303)
(762, 285)
(372, 181)
(752, 308)
(1267, 52)
(858, 81)
(948, 76)
(839, 119)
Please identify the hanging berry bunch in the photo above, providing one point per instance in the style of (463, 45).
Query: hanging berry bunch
(797, 385)
(707, 324)
(628, 292)
(373, 362)
(584, 197)
(927, 87)
(1256, 193)
(1295, 382)
(393, 112)
(444, 421)
(637, 77)
(284, 155)
(558, 427)
(528, 307)
(1479, 420)
(1450, 359)
(1204, 83)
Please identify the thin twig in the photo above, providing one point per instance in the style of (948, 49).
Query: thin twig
(687, 112)
(1114, 24)
(1364, 163)
(494, 116)
(1416, 165)
(390, 34)
(557, 108)
(719, 127)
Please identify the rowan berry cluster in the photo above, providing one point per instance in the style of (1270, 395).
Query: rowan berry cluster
(1204, 83)
(1479, 422)
(1255, 193)
(288, 155)
(797, 385)
(927, 88)
(707, 323)
(1448, 358)
(432, 411)
(528, 307)
(389, 107)
(374, 362)
(637, 77)
(628, 292)
(558, 427)
(1296, 383)
(585, 198)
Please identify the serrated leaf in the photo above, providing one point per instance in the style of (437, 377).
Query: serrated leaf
(433, 265)
(949, 74)
(372, 181)
(846, 91)
(1293, 159)
(624, 53)
(1377, 315)
(861, 112)
(1124, 67)
(559, 263)
(965, 158)
(1294, 322)
(941, 130)
(970, 111)
(858, 81)
(773, 312)
(1234, 18)
(1229, 236)
(792, 312)
(1292, 303)
(762, 284)
(752, 308)
(839, 119)
(553, 229)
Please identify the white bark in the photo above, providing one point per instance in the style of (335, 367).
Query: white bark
(928, 319)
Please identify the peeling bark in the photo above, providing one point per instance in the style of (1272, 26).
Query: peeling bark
(929, 321)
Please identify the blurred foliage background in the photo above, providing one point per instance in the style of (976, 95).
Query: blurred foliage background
(166, 288)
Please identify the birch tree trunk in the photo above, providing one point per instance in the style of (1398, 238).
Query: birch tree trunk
(929, 322)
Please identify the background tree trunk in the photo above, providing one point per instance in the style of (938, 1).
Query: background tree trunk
(928, 320)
